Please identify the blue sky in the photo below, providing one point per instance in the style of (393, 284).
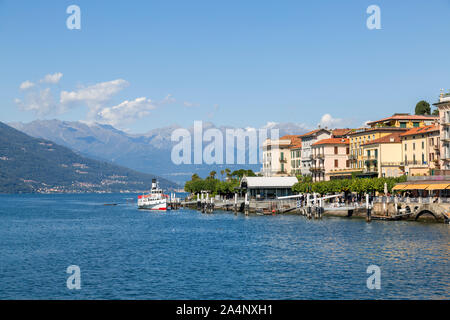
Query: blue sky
(238, 63)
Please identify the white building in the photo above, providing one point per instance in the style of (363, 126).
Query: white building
(268, 187)
(276, 156)
(308, 139)
(444, 127)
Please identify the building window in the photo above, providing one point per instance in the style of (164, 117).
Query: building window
(335, 150)
(423, 145)
(347, 163)
(414, 146)
(405, 147)
(416, 124)
(423, 158)
(402, 124)
(347, 151)
(336, 163)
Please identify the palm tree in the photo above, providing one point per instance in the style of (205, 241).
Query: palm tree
(212, 174)
(221, 173)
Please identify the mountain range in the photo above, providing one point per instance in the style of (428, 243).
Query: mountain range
(30, 165)
(149, 152)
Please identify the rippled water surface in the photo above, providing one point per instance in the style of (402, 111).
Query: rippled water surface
(124, 253)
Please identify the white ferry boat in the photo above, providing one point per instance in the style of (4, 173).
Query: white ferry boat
(155, 200)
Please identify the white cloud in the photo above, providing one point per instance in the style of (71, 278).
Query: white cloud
(26, 85)
(40, 102)
(52, 78)
(97, 93)
(126, 112)
(190, 104)
(168, 99)
(328, 121)
(94, 96)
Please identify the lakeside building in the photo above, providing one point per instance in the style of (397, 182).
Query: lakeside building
(383, 156)
(360, 137)
(308, 139)
(420, 148)
(444, 128)
(277, 156)
(267, 187)
(404, 120)
(329, 155)
(296, 158)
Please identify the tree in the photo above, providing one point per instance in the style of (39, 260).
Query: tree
(435, 112)
(423, 108)
(228, 173)
(212, 174)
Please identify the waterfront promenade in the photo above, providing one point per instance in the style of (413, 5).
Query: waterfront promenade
(381, 208)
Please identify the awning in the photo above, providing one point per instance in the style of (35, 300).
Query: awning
(417, 187)
(438, 186)
(400, 187)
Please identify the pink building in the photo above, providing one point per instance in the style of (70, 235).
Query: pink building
(329, 155)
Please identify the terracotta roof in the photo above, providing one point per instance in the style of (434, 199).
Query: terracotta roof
(296, 145)
(331, 141)
(421, 130)
(289, 137)
(296, 141)
(405, 116)
(376, 129)
(313, 132)
(391, 138)
(340, 132)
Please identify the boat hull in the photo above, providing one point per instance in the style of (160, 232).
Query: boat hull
(157, 205)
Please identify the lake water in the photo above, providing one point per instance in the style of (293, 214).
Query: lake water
(124, 253)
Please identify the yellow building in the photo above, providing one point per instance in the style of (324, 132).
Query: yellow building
(360, 137)
(420, 148)
(383, 156)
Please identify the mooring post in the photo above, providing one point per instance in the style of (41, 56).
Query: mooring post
(369, 213)
(246, 204)
(396, 204)
(321, 209)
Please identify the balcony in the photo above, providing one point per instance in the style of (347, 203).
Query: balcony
(370, 158)
(283, 160)
(416, 164)
(318, 156)
(393, 164)
(317, 169)
(352, 157)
